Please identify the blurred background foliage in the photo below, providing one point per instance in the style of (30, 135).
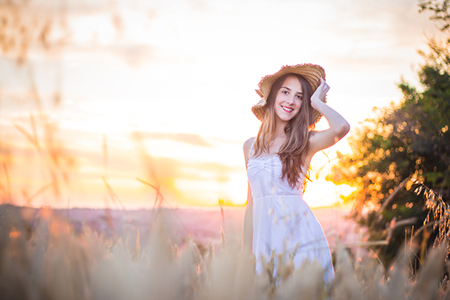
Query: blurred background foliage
(400, 160)
(30, 29)
(27, 26)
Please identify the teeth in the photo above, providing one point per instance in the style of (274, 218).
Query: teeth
(287, 108)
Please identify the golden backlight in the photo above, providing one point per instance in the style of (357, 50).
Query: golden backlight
(162, 93)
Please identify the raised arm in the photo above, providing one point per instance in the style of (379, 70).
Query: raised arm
(338, 125)
(248, 219)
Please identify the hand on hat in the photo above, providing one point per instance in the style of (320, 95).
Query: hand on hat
(319, 95)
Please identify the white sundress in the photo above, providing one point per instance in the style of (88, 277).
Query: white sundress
(282, 220)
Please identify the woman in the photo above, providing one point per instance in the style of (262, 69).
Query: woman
(277, 218)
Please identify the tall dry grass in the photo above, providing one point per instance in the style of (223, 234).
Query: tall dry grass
(43, 257)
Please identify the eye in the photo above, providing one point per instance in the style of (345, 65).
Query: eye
(300, 97)
(285, 92)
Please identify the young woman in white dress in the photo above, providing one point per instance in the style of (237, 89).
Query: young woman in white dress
(277, 160)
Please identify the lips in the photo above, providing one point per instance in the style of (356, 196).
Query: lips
(287, 109)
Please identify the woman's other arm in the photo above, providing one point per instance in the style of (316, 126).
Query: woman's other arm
(248, 218)
(248, 222)
(339, 127)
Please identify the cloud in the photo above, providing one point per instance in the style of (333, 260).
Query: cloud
(378, 34)
(188, 138)
(216, 167)
(136, 54)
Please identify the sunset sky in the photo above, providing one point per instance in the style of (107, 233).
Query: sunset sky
(162, 91)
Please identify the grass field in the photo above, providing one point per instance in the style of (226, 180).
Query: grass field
(44, 256)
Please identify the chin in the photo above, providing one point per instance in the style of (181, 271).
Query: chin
(284, 119)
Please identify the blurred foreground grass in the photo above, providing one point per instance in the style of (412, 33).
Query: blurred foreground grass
(44, 257)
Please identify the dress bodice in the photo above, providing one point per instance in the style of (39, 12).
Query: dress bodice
(264, 175)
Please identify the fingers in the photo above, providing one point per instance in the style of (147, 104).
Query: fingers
(321, 90)
(324, 85)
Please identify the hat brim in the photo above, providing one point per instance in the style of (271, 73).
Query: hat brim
(311, 72)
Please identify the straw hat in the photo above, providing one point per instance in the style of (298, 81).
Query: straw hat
(312, 73)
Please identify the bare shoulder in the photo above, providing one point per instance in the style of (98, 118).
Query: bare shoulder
(247, 145)
(312, 133)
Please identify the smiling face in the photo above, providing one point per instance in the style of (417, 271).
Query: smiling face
(289, 99)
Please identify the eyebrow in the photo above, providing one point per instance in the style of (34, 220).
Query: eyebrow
(285, 87)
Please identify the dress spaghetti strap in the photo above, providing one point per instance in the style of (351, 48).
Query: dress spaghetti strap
(250, 153)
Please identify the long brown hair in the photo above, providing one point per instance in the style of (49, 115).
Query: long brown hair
(293, 151)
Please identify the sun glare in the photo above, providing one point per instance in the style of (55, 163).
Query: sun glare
(149, 91)
(322, 193)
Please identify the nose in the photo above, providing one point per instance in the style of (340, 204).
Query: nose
(290, 100)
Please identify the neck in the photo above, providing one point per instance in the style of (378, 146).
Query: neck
(279, 130)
